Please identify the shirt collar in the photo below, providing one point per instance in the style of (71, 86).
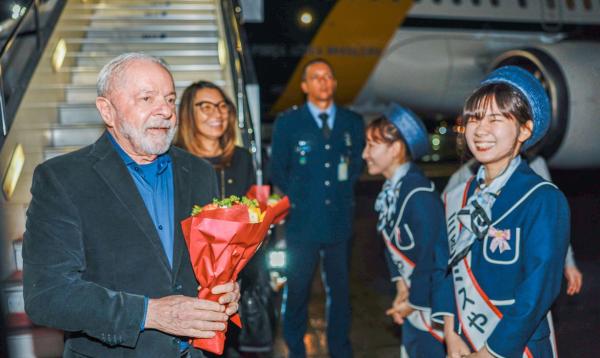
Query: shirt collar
(400, 173)
(315, 111)
(162, 161)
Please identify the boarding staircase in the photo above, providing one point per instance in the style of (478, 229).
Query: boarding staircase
(58, 113)
(183, 33)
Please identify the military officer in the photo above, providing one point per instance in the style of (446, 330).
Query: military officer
(316, 160)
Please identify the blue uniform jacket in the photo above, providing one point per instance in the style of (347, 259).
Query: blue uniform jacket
(419, 219)
(306, 167)
(524, 280)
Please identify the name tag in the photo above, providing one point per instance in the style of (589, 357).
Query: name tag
(343, 169)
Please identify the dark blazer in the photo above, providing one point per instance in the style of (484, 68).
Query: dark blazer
(305, 165)
(91, 251)
(238, 176)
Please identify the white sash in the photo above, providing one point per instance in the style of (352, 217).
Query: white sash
(420, 318)
(404, 265)
(477, 315)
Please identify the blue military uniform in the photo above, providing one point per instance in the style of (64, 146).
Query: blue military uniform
(318, 174)
(411, 221)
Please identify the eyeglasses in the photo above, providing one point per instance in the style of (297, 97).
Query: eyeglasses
(209, 108)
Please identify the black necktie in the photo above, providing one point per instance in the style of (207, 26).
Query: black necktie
(325, 127)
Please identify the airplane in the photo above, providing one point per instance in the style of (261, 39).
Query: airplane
(443, 48)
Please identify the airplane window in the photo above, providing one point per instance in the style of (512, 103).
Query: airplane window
(523, 3)
(495, 2)
(551, 4)
(571, 4)
(587, 4)
(457, 2)
(437, 1)
(476, 2)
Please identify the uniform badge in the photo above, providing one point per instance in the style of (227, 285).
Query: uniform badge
(347, 139)
(303, 148)
(500, 239)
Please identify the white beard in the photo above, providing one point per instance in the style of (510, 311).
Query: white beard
(148, 144)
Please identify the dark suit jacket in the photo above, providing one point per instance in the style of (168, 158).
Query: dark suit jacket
(305, 166)
(91, 251)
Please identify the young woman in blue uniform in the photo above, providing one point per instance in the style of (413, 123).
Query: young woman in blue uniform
(508, 230)
(411, 220)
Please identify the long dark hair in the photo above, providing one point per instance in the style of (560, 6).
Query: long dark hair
(186, 136)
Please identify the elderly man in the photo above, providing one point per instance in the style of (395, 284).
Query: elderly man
(104, 254)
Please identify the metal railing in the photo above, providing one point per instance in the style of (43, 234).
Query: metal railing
(11, 92)
(244, 78)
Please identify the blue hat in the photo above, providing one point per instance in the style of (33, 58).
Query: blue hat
(534, 94)
(411, 129)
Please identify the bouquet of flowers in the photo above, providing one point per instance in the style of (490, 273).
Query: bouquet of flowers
(262, 194)
(221, 238)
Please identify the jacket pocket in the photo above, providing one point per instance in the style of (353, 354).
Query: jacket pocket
(502, 247)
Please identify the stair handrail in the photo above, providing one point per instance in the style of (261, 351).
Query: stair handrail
(243, 74)
(8, 44)
(20, 57)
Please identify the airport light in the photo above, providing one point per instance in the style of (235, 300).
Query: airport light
(306, 18)
(15, 167)
(17, 11)
(277, 259)
(58, 56)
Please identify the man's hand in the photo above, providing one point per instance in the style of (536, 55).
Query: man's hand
(574, 280)
(230, 296)
(186, 316)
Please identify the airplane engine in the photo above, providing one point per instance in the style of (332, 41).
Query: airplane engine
(570, 72)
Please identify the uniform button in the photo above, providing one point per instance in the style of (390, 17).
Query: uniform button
(327, 201)
(327, 183)
(229, 181)
(327, 147)
(160, 227)
(327, 165)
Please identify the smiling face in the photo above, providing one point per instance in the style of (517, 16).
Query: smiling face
(211, 113)
(496, 138)
(139, 110)
(381, 157)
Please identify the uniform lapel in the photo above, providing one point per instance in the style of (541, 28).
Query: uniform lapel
(182, 191)
(513, 190)
(308, 117)
(112, 170)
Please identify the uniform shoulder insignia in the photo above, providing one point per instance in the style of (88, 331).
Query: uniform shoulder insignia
(288, 111)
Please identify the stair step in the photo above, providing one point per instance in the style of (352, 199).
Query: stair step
(133, 21)
(118, 48)
(147, 17)
(63, 136)
(141, 7)
(83, 113)
(126, 27)
(152, 41)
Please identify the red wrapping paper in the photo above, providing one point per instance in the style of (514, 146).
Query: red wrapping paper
(221, 242)
(261, 194)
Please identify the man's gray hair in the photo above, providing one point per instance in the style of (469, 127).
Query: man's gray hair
(115, 67)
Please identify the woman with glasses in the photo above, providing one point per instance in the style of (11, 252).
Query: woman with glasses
(207, 119)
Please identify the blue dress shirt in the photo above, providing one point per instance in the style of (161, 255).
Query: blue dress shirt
(315, 111)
